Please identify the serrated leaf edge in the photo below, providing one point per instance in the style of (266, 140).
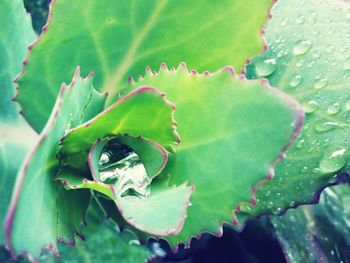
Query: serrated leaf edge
(174, 132)
(22, 172)
(26, 60)
(299, 117)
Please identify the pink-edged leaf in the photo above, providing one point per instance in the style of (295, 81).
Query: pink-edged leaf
(233, 132)
(40, 212)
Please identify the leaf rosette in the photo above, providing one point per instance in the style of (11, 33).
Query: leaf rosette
(125, 150)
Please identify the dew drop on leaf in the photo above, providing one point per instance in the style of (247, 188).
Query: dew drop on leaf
(321, 83)
(347, 105)
(323, 126)
(310, 106)
(334, 109)
(104, 159)
(300, 19)
(300, 144)
(302, 47)
(284, 22)
(295, 81)
(329, 49)
(265, 67)
(347, 64)
(332, 161)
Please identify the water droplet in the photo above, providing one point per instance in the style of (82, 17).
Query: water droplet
(347, 64)
(347, 105)
(333, 109)
(134, 242)
(312, 18)
(302, 47)
(300, 144)
(104, 159)
(321, 83)
(332, 161)
(157, 250)
(295, 81)
(300, 63)
(121, 166)
(338, 8)
(329, 49)
(325, 126)
(310, 64)
(317, 54)
(300, 19)
(264, 68)
(284, 22)
(331, 31)
(310, 106)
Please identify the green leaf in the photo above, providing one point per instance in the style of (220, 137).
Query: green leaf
(318, 233)
(15, 35)
(161, 213)
(15, 136)
(117, 39)
(40, 211)
(232, 132)
(143, 112)
(308, 51)
(103, 244)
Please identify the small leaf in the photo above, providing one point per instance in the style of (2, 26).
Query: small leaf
(53, 214)
(310, 54)
(117, 39)
(143, 112)
(232, 133)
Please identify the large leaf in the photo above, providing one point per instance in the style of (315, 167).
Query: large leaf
(117, 39)
(318, 233)
(308, 58)
(15, 136)
(232, 133)
(161, 212)
(41, 210)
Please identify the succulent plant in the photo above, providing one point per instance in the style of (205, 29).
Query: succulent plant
(179, 117)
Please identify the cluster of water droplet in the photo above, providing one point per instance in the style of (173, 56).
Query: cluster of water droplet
(308, 56)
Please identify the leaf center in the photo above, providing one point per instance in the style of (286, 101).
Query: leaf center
(121, 165)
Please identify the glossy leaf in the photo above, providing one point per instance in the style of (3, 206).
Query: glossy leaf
(318, 233)
(232, 133)
(16, 137)
(39, 210)
(308, 48)
(143, 112)
(117, 39)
